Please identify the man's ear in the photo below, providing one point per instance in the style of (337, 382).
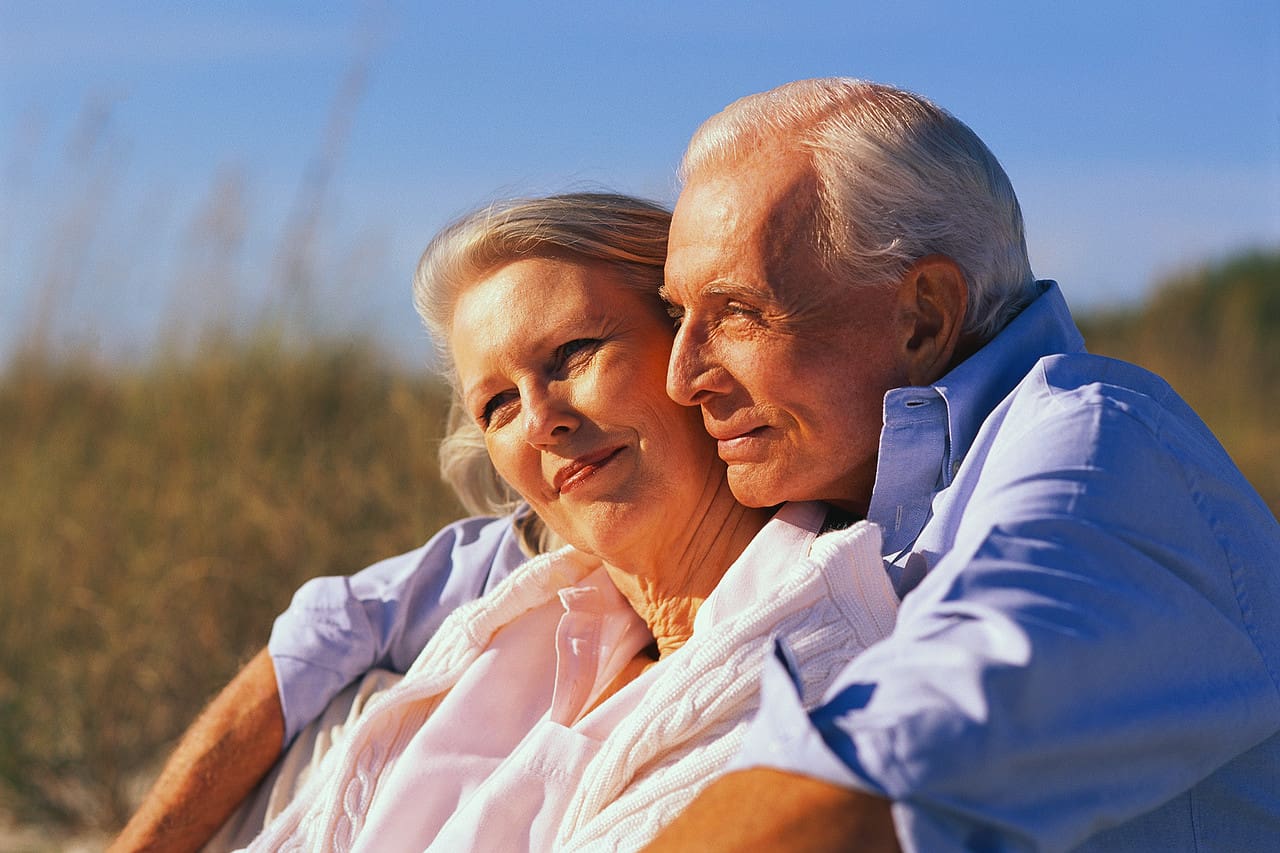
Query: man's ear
(933, 299)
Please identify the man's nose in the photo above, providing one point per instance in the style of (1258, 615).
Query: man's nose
(693, 374)
(548, 416)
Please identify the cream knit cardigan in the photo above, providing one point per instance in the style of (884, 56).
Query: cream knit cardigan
(827, 608)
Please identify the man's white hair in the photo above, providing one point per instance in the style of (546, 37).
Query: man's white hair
(898, 179)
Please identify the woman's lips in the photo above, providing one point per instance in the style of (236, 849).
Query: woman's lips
(579, 470)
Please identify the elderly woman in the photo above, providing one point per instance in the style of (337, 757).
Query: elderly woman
(587, 699)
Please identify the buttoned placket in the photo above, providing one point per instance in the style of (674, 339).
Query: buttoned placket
(596, 629)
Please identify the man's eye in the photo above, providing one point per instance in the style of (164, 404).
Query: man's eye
(676, 313)
(740, 310)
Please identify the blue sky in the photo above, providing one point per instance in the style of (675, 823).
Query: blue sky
(156, 156)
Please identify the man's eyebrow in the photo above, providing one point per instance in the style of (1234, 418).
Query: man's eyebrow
(731, 290)
(719, 287)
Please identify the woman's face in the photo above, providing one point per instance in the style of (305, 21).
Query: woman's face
(563, 366)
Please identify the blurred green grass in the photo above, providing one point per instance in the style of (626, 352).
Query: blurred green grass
(1214, 334)
(156, 518)
(153, 522)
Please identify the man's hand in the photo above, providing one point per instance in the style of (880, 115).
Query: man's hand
(763, 809)
(224, 754)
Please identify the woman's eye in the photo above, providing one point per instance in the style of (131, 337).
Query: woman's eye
(498, 410)
(576, 347)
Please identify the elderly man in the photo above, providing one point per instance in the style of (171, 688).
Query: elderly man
(1088, 651)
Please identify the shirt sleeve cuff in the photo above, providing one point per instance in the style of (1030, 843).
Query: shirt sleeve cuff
(319, 645)
(782, 737)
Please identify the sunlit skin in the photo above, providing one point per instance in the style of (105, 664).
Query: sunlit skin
(562, 365)
(788, 363)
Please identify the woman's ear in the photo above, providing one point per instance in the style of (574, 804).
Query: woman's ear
(933, 298)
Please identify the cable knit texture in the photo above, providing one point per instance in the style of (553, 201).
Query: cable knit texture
(826, 607)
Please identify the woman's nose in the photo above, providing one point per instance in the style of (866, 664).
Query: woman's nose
(548, 417)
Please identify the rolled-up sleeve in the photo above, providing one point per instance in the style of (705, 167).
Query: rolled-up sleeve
(337, 628)
(781, 736)
(1086, 651)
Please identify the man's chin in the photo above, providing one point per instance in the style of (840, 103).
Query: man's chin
(753, 485)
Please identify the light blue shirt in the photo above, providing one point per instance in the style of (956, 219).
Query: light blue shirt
(1092, 658)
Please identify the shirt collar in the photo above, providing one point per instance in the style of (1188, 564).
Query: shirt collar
(976, 386)
(928, 430)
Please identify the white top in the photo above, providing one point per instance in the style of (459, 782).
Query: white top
(504, 750)
(484, 745)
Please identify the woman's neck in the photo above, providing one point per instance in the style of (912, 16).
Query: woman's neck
(667, 583)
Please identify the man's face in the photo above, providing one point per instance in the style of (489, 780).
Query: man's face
(789, 364)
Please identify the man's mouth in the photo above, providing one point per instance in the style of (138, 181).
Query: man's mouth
(738, 441)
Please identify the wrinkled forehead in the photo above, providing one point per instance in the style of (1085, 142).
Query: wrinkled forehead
(757, 188)
(759, 213)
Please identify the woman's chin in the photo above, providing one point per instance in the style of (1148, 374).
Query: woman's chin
(612, 529)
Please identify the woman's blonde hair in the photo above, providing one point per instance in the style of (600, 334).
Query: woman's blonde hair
(628, 232)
